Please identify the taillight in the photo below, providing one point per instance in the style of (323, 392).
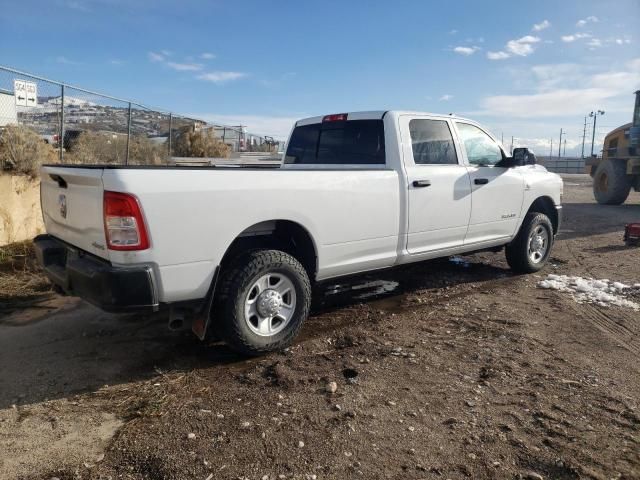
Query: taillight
(336, 117)
(123, 223)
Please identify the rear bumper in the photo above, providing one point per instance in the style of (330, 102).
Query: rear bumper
(95, 280)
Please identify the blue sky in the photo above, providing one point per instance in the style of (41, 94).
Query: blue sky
(522, 68)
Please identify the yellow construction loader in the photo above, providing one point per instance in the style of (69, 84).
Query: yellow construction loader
(618, 171)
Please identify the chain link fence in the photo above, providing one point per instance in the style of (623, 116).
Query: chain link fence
(73, 125)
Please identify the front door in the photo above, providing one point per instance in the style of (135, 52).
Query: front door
(497, 192)
(439, 189)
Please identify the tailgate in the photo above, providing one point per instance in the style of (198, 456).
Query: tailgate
(72, 204)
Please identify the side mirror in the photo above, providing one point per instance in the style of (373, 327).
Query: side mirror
(523, 156)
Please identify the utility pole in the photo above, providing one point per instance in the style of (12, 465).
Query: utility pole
(593, 134)
(560, 142)
(502, 138)
(584, 134)
(564, 149)
(511, 149)
(551, 149)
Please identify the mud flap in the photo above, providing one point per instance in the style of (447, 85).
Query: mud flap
(203, 316)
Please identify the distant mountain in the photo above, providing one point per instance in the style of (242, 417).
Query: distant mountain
(68, 101)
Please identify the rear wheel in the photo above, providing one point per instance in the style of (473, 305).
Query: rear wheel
(611, 184)
(531, 248)
(264, 300)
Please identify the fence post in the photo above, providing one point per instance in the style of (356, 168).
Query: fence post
(170, 133)
(61, 139)
(126, 159)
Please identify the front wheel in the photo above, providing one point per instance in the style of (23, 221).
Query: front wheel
(531, 248)
(264, 300)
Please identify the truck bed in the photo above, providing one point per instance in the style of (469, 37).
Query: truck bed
(193, 214)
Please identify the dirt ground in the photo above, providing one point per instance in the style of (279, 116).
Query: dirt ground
(444, 370)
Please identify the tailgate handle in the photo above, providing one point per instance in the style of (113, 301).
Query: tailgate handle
(62, 183)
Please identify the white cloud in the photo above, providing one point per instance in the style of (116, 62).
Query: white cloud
(75, 5)
(622, 41)
(574, 37)
(445, 98)
(555, 103)
(552, 76)
(522, 46)
(466, 50)
(166, 53)
(594, 43)
(584, 21)
(156, 57)
(541, 26)
(207, 56)
(453, 32)
(541, 146)
(221, 77)
(65, 61)
(185, 67)
(559, 94)
(497, 55)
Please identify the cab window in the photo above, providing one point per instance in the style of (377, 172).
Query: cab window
(432, 143)
(480, 147)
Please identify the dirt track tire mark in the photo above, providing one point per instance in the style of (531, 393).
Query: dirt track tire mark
(580, 263)
(603, 320)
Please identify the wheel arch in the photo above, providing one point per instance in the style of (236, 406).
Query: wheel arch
(545, 204)
(280, 234)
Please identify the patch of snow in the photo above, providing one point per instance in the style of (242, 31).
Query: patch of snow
(589, 290)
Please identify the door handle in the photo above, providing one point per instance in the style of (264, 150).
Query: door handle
(421, 183)
(481, 181)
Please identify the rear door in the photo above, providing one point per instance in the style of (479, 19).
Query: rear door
(438, 183)
(72, 204)
(497, 192)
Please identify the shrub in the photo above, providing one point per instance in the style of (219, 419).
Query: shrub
(98, 148)
(201, 143)
(110, 148)
(23, 151)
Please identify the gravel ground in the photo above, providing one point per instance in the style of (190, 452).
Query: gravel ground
(442, 370)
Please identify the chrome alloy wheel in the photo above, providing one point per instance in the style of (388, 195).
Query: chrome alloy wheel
(538, 244)
(270, 304)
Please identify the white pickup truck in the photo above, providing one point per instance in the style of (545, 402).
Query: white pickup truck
(236, 250)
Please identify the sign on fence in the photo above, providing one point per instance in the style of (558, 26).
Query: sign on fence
(26, 93)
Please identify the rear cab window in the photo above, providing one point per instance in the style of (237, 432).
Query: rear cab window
(343, 142)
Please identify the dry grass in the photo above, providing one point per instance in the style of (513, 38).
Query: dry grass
(201, 144)
(23, 151)
(20, 276)
(109, 148)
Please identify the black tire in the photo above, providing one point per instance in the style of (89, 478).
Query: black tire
(611, 184)
(235, 288)
(518, 253)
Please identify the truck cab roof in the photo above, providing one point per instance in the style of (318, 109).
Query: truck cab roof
(375, 115)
